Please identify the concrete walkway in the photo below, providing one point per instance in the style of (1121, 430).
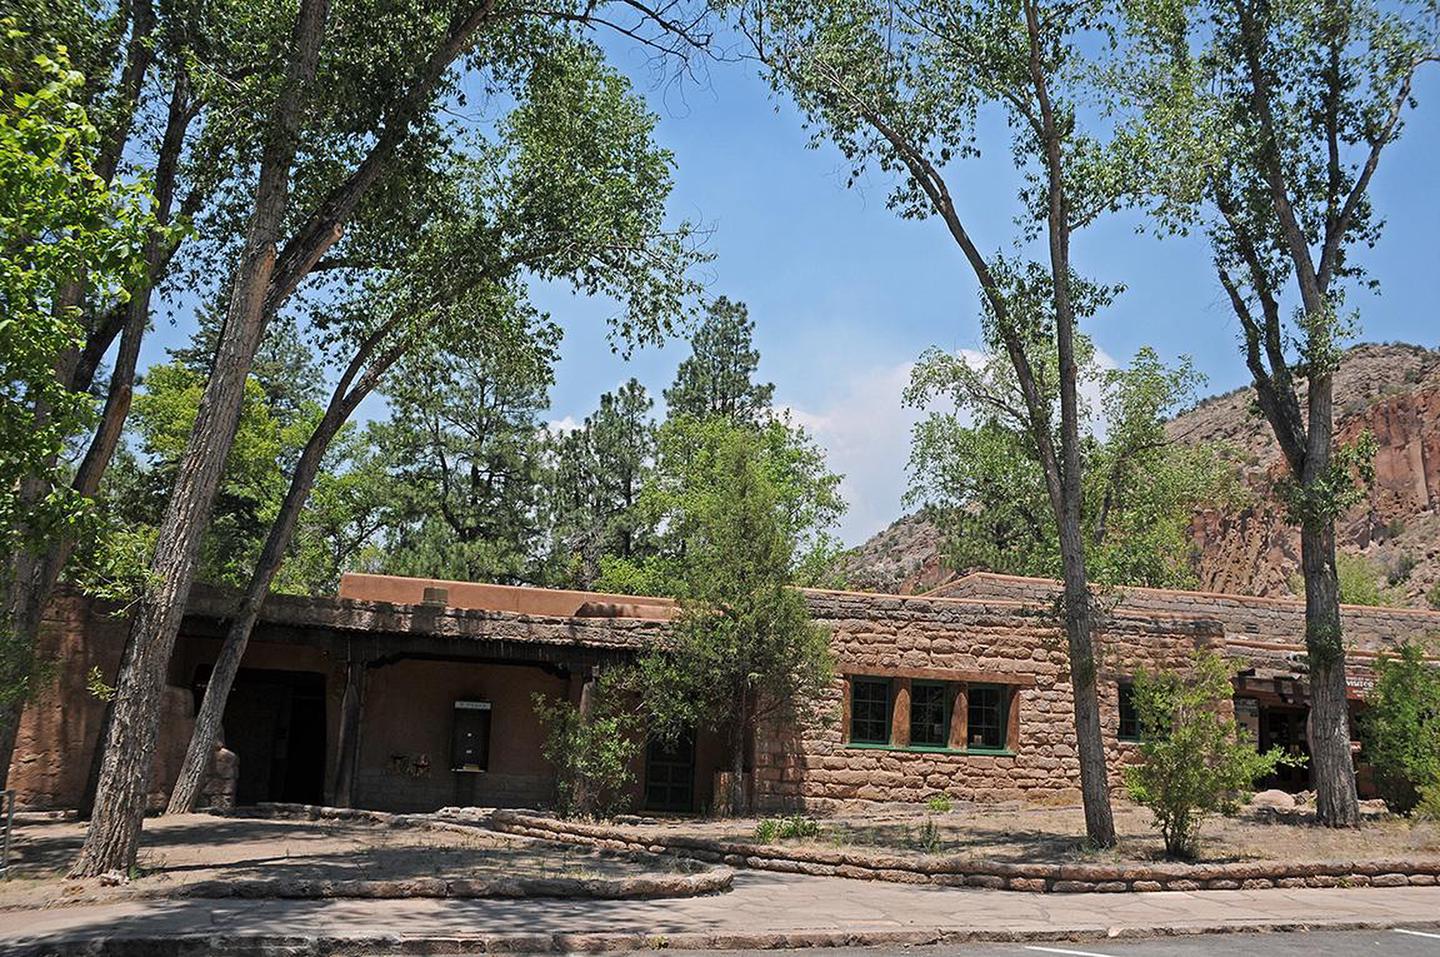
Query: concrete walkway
(764, 910)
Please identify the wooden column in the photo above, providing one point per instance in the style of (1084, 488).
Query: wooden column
(1012, 720)
(900, 714)
(349, 741)
(960, 720)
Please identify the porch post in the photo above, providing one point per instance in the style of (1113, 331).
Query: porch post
(349, 743)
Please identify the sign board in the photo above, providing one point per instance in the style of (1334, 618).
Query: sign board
(470, 736)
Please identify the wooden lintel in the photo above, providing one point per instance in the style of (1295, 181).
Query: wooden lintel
(939, 674)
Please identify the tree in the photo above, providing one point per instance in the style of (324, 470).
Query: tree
(1264, 125)
(381, 85)
(111, 840)
(743, 647)
(1195, 758)
(977, 473)
(574, 191)
(464, 442)
(63, 228)
(900, 86)
(1400, 728)
(718, 376)
(593, 486)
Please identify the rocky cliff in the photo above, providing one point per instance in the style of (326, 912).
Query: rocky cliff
(1393, 391)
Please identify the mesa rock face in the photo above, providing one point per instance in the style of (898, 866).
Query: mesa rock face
(1391, 391)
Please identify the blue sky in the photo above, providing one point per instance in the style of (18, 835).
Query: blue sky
(845, 294)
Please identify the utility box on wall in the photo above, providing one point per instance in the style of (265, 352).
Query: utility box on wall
(470, 741)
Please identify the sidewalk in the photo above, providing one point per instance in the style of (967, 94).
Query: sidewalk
(764, 910)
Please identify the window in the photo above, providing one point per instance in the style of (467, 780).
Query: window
(870, 710)
(989, 714)
(1129, 717)
(930, 714)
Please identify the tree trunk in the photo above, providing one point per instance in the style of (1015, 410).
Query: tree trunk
(31, 591)
(737, 759)
(1068, 506)
(1333, 767)
(237, 637)
(112, 839)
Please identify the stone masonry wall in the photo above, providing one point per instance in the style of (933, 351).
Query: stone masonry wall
(1008, 642)
(1270, 620)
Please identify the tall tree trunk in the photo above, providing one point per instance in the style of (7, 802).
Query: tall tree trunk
(1336, 801)
(30, 590)
(737, 758)
(212, 709)
(1079, 613)
(112, 839)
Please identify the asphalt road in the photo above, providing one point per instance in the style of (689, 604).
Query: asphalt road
(1389, 943)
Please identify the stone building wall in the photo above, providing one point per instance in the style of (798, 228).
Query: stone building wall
(1273, 621)
(1004, 642)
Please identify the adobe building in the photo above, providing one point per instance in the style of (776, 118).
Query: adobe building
(412, 694)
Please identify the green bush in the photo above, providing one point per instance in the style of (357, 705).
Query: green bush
(1196, 761)
(592, 757)
(1400, 730)
(796, 826)
(939, 803)
(1432, 597)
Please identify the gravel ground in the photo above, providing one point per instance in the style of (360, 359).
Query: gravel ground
(1022, 833)
(195, 848)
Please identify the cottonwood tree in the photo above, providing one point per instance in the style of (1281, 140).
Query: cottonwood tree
(383, 78)
(718, 377)
(899, 86)
(975, 469)
(573, 191)
(59, 219)
(1265, 125)
(738, 505)
(112, 837)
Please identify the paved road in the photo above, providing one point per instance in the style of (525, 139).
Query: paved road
(1386, 943)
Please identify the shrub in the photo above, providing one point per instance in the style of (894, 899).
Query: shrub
(930, 841)
(939, 803)
(1400, 730)
(1399, 571)
(1432, 597)
(592, 757)
(1195, 760)
(796, 826)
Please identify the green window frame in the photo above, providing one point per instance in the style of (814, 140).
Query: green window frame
(1129, 726)
(930, 706)
(989, 717)
(871, 700)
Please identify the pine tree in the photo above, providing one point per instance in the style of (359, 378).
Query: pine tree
(718, 379)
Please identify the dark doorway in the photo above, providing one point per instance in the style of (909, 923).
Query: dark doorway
(275, 724)
(670, 774)
(1284, 728)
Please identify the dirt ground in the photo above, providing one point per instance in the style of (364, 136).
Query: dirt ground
(193, 848)
(1026, 833)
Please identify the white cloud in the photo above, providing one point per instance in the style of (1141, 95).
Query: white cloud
(563, 426)
(865, 429)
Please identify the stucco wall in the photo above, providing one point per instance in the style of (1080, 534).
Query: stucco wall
(60, 725)
(405, 738)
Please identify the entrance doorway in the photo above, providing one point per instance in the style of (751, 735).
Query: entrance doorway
(670, 774)
(275, 724)
(1284, 728)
